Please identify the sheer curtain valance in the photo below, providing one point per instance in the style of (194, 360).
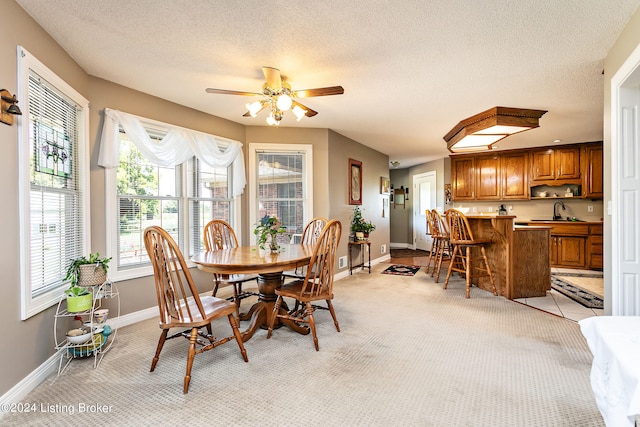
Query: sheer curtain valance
(177, 146)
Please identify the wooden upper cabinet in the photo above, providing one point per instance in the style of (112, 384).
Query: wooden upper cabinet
(488, 177)
(593, 171)
(515, 175)
(462, 178)
(555, 164)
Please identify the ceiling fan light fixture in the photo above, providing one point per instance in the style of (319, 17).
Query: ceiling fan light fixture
(254, 108)
(299, 112)
(481, 131)
(284, 102)
(273, 120)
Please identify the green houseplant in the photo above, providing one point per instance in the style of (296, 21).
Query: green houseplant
(82, 273)
(267, 230)
(360, 226)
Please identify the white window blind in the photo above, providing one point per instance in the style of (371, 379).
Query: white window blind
(54, 178)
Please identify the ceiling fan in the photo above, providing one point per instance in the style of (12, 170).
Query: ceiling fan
(278, 97)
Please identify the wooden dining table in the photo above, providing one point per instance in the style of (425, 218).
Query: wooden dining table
(269, 267)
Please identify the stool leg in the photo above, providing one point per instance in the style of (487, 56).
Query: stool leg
(453, 257)
(486, 263)
(433, 244)
(468, 271)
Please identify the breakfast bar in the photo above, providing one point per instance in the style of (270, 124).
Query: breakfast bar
(518, 255)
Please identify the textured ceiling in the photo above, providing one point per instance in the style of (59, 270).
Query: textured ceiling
(411, 69)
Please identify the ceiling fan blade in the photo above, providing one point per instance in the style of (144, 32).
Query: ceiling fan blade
(320, 91)
(273, 78)
(231, 92)
(309, 111)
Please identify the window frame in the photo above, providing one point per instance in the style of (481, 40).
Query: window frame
(307, 190)
(30, 304)
(111, 212)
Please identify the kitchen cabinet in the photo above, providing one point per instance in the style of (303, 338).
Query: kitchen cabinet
(515, 175)
(593, 171)
(568, 251)
(487, 177)
(490, 176)
(595, 246)
(462, 178)
(574, 244)
(551, 165)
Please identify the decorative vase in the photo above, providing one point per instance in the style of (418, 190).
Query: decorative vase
(274, 247)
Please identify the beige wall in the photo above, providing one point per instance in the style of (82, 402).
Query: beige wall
(623, 47)
(374, 166)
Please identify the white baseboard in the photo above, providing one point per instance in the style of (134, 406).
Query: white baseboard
(18, 392)
(398, 245)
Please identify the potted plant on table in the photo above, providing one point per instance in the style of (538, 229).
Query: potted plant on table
(267, 230)
(360, 226)
(82, 273)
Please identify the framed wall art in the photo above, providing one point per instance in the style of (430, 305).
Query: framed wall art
(384, 185)
(355, 182)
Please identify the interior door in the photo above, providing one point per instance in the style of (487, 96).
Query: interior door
(625, 283)
(424, 197)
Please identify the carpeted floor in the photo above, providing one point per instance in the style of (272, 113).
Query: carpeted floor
(410, 354)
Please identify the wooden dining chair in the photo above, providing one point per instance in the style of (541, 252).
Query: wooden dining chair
(316, 286)
(310, 235)
(180, 304)
(462, 239)
(218, 234)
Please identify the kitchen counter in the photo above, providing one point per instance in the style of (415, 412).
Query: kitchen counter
(518, 255)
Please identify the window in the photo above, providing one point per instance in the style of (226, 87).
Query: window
(54, 183)
(181, 199)
(280, 183)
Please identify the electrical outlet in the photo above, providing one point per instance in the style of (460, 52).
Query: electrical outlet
(510, 208)
(490, 208)
(474, 209)
(342, 262)
(383, 249)
(589, 208)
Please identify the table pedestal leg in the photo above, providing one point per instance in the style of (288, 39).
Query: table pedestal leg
(261, 311)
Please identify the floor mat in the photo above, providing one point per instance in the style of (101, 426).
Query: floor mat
(402, 270)
(576, 293)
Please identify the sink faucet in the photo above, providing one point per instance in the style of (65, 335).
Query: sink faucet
(557, 216)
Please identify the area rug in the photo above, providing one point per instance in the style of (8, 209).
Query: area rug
(402, 270)
(576, 293)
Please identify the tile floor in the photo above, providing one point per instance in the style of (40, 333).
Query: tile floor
(560, 305)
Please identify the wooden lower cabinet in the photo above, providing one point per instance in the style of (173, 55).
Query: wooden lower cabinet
(568, 251)
(575, 244)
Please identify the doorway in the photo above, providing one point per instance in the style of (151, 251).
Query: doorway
(623, 287)
(424, 198)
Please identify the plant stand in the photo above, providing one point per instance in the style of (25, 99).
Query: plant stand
(359, 244)
(101, 341)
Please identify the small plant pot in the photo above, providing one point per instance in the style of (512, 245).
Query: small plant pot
(80, 303)
(89, 275)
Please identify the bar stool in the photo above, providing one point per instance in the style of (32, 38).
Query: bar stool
(444, 241)
(463, 241)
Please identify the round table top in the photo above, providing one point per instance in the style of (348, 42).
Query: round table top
(252, 259)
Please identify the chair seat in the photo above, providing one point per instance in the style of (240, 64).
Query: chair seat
(214, 307)
(292, 290)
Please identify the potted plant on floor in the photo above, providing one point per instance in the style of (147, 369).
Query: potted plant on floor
(82, 273)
